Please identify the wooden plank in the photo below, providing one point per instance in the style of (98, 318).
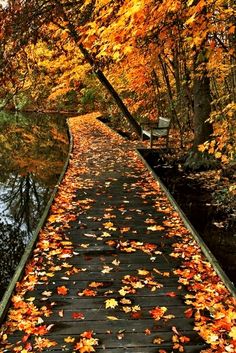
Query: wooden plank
(123, 349)
(102, 314)
(100, 205)
(79, 303)
(168, 349)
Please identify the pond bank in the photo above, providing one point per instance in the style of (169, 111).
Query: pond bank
(33, 149)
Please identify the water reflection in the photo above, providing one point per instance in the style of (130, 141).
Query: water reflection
(33, 149)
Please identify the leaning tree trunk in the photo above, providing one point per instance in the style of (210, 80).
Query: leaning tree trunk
(100, 75)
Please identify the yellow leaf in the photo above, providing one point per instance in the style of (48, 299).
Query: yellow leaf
(31, 299)
(201, 148)
(111, 303)
(128, 50)
(53, 218)
(232, 333)
(190, 2)
(155, 227)
(143, 272)
(113, 318)
(69, 339)
(158, 340)
(190, 20)
(126, 309)
(218, 154)
(125, 301)
(116, 55)
(105, 234)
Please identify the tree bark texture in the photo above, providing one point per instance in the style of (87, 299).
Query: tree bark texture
(202, 109)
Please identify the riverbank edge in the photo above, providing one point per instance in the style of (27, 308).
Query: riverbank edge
(5, 303)
(207, 252)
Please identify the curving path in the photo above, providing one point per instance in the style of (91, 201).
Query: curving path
(115, 270)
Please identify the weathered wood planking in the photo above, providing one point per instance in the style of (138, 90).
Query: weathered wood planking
(111, 242)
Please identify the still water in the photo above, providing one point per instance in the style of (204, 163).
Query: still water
(33, 150)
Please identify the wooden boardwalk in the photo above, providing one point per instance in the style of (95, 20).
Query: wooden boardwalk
(115, 270)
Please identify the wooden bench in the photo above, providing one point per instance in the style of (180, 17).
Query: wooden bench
(155, 130)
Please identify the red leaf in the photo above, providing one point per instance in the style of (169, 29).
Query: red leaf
(25, 338)
(188, 313)
(136, 315)
(78, 316)
(171, 294)
(28, 347)
(87, 334)
(88, 293)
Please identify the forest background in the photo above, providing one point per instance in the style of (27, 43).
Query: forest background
(168, 58)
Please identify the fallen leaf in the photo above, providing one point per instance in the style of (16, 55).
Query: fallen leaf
(111, 303)
(96, 284)
(63, 290)
(174, 329)
(188, 313)
(61, 313)
(116, 262)
(47, 293)
(107, 269)
(184, 339)
(77, 316)
(158, 312)
(69, 339)
(88, 293)
(158, 340)
(113, 318)
(155, 227)
(147, 331)
(143, 272)
(171, 294)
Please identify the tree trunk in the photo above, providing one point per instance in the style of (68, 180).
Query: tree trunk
(202, 109)
(174, 114)
(202, 128)
(102, 78)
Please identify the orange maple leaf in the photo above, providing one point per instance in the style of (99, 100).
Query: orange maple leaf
(63, 290)
(88, 293)
(87, 334)
(86, 343)
(158, 312)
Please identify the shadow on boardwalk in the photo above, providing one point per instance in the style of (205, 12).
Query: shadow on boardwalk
(115, 269)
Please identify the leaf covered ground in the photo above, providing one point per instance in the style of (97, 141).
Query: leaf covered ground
(114, 268)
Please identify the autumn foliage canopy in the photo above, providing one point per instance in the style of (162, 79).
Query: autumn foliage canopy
(170, 58)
